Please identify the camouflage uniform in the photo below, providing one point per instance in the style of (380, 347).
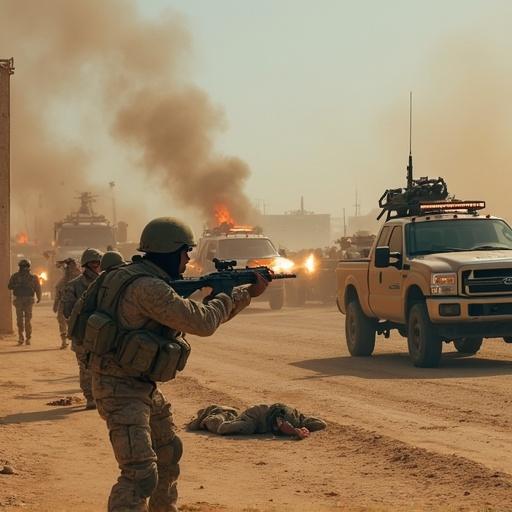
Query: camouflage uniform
(24, 285)
(70, 272)
(138, 416)
(72, 292)
(258, 419)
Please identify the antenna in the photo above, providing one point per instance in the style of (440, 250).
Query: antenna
(409, 166)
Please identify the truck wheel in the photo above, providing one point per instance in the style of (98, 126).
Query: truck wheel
(425, 346)
(359, 331)
(276, 300)
(468, 345)
(507, 339)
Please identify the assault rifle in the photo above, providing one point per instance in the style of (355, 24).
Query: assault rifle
(225, 279)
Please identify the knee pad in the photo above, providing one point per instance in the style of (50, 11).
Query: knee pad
(177, 449)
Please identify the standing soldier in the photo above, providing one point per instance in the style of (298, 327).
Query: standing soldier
(136, 340)
(24, 285)
(90, 262)
(71, 271)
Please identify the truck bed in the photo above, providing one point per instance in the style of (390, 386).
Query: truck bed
(352, 274)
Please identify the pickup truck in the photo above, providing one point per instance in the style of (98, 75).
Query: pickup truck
(437, 277)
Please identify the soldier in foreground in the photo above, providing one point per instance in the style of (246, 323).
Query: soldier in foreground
(24, 286)
(90, 262)
(143, 343)
(278, 419)
(71, 271)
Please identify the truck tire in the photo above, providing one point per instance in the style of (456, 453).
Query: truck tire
(468, 345)
(359, 331)
(425, 345)
(507, 339)
(276, 300)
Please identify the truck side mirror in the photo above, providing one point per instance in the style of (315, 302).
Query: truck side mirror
(382, 257)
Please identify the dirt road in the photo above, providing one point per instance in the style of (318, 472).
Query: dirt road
(398, 437)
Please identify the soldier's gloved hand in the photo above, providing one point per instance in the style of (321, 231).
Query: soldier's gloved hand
(258, 287)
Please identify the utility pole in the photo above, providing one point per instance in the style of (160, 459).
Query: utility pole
(6, 70)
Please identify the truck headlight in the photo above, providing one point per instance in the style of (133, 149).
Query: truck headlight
(444, 284)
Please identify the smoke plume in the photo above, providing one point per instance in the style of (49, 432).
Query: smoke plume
(95, 79)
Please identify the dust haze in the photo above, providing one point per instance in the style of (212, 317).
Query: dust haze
(461, 124)
(96, 78)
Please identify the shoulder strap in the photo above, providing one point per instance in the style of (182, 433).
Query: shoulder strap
(115, 283)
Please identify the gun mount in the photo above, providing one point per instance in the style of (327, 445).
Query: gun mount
(404, 202)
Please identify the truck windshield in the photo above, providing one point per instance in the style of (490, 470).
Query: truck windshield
(246, 248)
(86, 236)
(457, 235)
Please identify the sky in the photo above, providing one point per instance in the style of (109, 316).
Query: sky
(297, 98)
(309, 89)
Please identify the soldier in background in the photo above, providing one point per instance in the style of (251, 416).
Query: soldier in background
(24, 285)
(71, 271)
(111, 259)
(90, 262)
(278, 419)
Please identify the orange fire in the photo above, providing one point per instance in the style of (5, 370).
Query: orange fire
(222, 215)
(22, 238)
(43, 277)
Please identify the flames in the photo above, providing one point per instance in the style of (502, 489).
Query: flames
(22, 238)
(222, 215)
(43, 277)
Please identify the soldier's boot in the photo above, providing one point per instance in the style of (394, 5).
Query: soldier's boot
(21, 339)
(90, 403)
(64, 343)
(27, 341)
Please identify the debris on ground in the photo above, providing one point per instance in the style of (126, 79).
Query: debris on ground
(67, 400)
(7, 470)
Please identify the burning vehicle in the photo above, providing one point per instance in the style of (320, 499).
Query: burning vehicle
(245, 244)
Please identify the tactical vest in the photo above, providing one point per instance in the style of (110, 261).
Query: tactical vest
(149, 352)
(24, 284)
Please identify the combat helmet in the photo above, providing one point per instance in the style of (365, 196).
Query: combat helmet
(24, 263)
(111, 259)
(90, 255)
(165, 234)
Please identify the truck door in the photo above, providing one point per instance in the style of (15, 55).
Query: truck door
(387, 283)
(375, 275)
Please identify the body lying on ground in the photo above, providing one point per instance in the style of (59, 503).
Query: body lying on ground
(278, 419)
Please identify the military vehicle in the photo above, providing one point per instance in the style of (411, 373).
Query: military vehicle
(438, 272)
(81, 229)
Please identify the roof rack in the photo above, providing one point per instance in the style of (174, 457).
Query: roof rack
(227, 229)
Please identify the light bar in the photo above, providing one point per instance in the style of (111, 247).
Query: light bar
(453, 205)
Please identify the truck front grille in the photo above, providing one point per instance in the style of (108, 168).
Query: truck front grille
(504, 308)
(496, 281)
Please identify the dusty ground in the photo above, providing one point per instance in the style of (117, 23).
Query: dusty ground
(399, 438)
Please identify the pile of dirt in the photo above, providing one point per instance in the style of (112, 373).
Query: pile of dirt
(67, 400)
